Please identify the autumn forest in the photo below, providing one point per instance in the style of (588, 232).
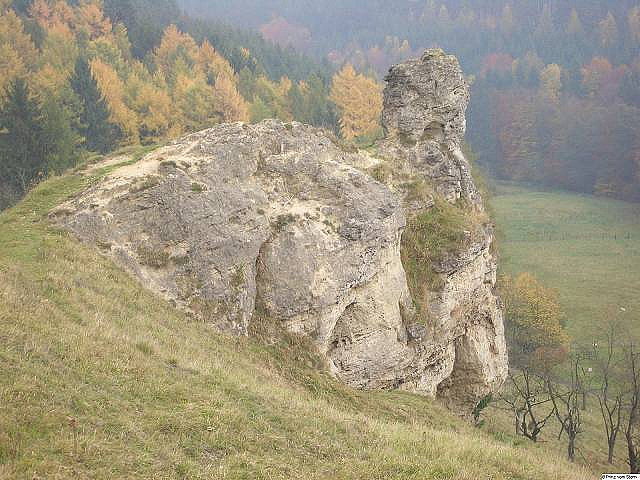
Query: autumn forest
(555, 84)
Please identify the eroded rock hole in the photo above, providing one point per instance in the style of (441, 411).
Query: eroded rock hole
(433, 131)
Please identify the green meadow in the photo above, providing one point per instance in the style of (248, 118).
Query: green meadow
(586, 248)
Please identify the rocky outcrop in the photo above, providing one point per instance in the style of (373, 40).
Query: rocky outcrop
(240, 222)
(424, 121)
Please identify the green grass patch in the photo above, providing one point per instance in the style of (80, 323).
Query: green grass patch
(152, 256)
(198, 187)
(429, 236)
(586, 247)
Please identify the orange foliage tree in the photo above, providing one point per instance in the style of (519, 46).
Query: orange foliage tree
(359, 101)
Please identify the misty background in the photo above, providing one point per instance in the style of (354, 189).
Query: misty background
(556, 84)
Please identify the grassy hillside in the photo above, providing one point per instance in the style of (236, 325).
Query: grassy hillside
(588, 248)
(102, 379)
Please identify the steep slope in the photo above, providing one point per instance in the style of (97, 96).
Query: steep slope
(239, 223)
(101, 379)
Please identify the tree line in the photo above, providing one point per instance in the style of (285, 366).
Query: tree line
(556, 83)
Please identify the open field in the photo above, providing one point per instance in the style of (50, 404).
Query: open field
(102, 379)
(587, 248)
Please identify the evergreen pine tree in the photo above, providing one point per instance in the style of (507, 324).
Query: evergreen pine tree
(99, 133)
(59, 138)
(22, 156)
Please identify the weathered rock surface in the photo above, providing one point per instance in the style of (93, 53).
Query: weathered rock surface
(424, 118)
(276, 218)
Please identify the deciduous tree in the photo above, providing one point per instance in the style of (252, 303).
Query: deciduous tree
(537, 342)
(359, 101)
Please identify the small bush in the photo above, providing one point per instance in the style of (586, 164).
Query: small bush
(480, 408)
(381, 173)
(283, 220)
(428, 237)
(198, 187)
(146, 183)
(152, 257)
(172, 362)
(168, 164)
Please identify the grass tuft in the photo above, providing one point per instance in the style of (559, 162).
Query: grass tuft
(429, 236)
(152, 257)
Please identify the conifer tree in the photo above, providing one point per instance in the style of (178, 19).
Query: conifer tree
(99, 133)
(634, 25)
(608, 29)
(59, 139)
(22, 155)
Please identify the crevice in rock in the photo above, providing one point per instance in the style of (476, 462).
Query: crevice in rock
(260, 312)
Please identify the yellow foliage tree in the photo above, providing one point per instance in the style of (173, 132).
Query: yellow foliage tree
(91, 21)
(229, 105)
(49, 81)
(60, 49)
(11, 66)
(551, 83)
(359, 101)
(232, 107)
(53, 14)
(213, 64)
(87, 18)
(149, 98)
(195, 99)
(18, 54)
(112, 88)
(534, 321)
(12, 33)
(176, 55)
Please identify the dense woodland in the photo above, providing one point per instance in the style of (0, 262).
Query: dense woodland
(89, 76)
(556, 82)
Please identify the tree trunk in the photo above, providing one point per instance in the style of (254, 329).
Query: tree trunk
(519, 418)
(634, 464)
(612, 446)
(571, 448)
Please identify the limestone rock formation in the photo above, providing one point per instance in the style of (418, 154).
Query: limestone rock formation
(277, 218)
(424, 121)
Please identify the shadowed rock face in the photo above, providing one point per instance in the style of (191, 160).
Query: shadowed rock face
(277, 217)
